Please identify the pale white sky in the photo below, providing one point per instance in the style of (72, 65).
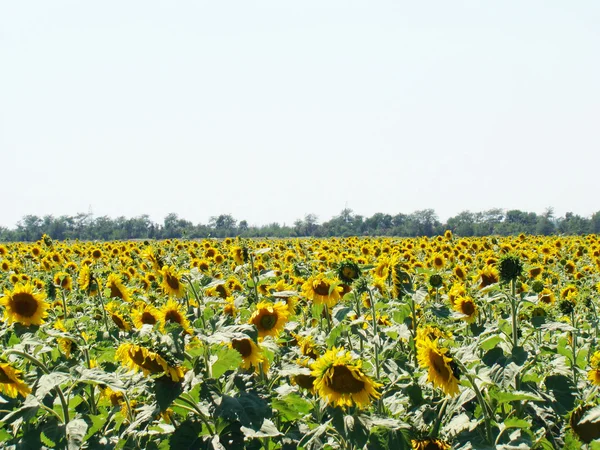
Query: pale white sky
(269, 110)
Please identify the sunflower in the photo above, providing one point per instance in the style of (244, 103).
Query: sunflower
(23, 305)
(145, 314)
(63, 280)
(270, 319)
(594, 374)
(339, 379)
(238, 255)
(116, 315)
(467, 307)
(429, 444)
(171, 283)
(172, 312)
(441, 368)
(229, 308)
(84, 279)
(322, 290)
(138, 358)
(546, 296)
(11, 383)
(487, 276)
(117, 288)
(251, 353)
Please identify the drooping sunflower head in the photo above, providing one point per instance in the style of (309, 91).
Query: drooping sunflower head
(24, 305)
(142, 359)
(251, 353)
(11, 382)
(585, 431)
(117, 316)
(117, 288)
(348, 271)
(442, 370)
(270, 318)
(340, 381)
(171, 282)
(429, 444)
(63, 280)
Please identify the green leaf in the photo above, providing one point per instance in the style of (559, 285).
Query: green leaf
(490, 343)
(267, 429)
(563, 390)
(507, 397)
(291, 407)
(226, 359)
(76, 430)
(186, 436)
(515, 422)
(97, 423)
(48, 382)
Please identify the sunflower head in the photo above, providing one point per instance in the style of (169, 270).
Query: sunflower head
(442, 370)
(510, 267)
(24, 305)
(436, 281)
(339, 380)
(11, 382)
(585, 431)
(270, 318)
(429, 444)
(348, 271)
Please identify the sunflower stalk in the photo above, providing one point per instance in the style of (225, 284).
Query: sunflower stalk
(485, 407)
(197, 297)
(574, 347)
(375, 345)
(103, 312)
(438, 420)
(254, 277)
(514, 312)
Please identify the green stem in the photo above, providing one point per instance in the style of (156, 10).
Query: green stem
(485, 408)
(254, 277)
(203, 418)
(438, 421)
(514, 313)
(103, 311)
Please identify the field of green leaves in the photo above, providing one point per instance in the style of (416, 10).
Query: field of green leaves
(376, 343)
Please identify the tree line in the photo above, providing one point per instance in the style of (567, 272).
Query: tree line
(419, 223)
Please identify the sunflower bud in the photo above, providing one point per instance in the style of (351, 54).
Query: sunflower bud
(361, 285)
(510, 268)
(436, 281)
(537, 286)
(348, 271)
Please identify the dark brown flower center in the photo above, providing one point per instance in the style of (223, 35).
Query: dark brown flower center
(468, 308)
(305, 381)
(118, 321)
(243, 347)
(173, 282)
(343, 381)
(322, 288)
(173, 316)
(4, 379)
(437, 362)
(24, 304)
(268, 321)
(148, 318)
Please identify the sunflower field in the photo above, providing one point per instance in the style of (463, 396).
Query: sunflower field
(353, 343)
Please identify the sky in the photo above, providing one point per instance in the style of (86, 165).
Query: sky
(270, 110)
